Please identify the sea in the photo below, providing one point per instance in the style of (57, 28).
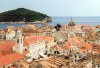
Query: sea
(92, 21)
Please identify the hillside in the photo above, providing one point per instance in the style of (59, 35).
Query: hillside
(21, 14)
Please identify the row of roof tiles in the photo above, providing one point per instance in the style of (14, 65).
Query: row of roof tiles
(10, 58)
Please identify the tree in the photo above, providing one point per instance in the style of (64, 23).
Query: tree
(57, 27)
(21, 14)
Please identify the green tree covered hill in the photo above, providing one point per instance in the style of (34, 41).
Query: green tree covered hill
(21, 14)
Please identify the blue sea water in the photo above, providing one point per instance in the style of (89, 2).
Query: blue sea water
(92, 21)
(78, 20)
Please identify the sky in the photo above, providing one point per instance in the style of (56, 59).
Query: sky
(55, 7)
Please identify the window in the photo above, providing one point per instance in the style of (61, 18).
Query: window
(25, 49)
(65, 40)
(82, 66)
(77, 53)
(17, 40)
(46, 46)
(75, 60)
(79, 56)
(94, 46)
(70, 51)
(54, 40)
(21, 40)
(55, 52)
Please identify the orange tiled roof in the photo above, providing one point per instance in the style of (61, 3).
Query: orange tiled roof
(1, 64)
(10, 58)
(27, 34)
(6, 45)
(80, 43)
(13, 67)
(46, 64)
(47, 38)
(25, 52)
(32, 40)
(54, 46)
(0, 53)
(81, 51)
(1, 32)
(23, 64)
(95, 51)
(57, 47)
(40, 30)
(4, 53)
(74, 40)
(86, 45)
(67, 45)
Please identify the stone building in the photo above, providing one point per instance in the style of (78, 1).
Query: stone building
(35, 46)
(71, 26)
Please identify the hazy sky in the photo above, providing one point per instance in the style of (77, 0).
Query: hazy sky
(55, 7)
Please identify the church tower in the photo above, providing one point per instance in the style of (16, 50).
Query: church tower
(44, 23)
(71, 25)
(19, 42)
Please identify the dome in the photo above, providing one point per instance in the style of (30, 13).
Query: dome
(60, 40)
(18, 31)
(71, 23)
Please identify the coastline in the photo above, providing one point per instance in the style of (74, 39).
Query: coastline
(92, 21)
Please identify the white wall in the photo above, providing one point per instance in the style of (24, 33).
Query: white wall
(10, 36)
(36, 49)
(89, 65)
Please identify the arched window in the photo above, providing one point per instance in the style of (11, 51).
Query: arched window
(70, 51)
(21, 40)
(17, 40)
(25, 49)
(56, 52)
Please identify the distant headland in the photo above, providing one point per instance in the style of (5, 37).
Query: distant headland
(23, 15)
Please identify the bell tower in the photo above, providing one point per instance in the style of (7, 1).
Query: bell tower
(44, 23)
(19, 42)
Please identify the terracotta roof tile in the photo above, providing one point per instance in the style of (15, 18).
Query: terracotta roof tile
(95, 51)
(80, 43)
(4, 53)
(32, 40)
(82, 51)
(86, 45)
(6, 45)
(10, 58)
(27, 34)
(1, 32)
(25, 52)
(74, 40)
(23, 63)
(47, 38)
(67, 45)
